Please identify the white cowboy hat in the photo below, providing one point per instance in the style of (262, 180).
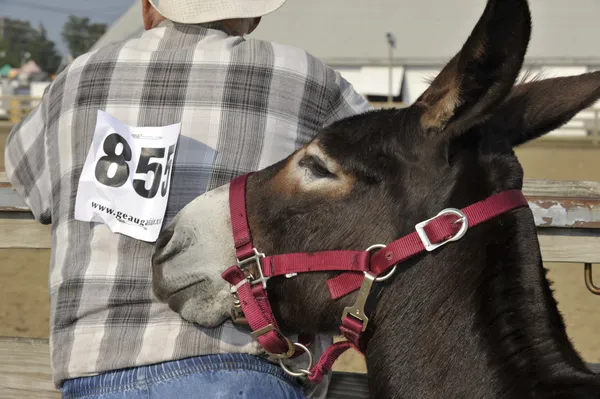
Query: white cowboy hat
(200, 11)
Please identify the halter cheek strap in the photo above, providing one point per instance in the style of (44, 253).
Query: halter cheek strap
(363, 269)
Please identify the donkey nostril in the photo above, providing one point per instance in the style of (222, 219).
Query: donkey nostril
(172, 241)
(162, 247)
(164, 238)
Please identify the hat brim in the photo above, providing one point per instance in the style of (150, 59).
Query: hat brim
(197, 12)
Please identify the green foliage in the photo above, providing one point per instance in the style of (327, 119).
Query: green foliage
(44, 53)
(80, 34)
(21, 42)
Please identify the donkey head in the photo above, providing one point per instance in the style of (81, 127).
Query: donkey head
(369, 179)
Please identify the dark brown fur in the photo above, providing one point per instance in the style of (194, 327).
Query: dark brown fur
(475, 319)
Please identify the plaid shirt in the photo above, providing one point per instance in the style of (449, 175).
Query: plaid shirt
(243, 105)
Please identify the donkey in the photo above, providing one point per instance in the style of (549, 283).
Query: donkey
(472, 319)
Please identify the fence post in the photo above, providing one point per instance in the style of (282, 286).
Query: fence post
(14, 111)
(596, 132)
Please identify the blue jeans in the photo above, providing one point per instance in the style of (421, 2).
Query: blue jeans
(224, 376)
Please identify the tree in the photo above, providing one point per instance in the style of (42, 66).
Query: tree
(80, 34)
(16, 41)
(43, 52)
(21, 42)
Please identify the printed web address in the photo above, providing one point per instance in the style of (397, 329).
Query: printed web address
(125, 218)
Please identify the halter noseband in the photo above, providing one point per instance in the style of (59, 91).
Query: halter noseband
(250, 275)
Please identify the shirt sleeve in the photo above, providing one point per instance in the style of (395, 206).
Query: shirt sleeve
(345, 101)
(26, 162)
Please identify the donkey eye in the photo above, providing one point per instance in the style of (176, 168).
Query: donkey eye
(316, 167)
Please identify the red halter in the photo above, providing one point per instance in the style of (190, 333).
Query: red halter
(249, 277)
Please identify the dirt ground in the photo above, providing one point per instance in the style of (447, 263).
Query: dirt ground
(24, 273)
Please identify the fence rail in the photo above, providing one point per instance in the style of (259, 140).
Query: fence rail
(567, 215)
(25, 370)
(17, 107)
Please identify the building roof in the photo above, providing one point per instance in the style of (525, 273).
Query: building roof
(428, 32)
(350, 35)
(128, 25)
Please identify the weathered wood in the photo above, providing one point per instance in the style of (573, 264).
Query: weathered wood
(567, 204)
(565, 212)
(17, 233)
(557, 244)
(10, 201)
(4, 180)
(562, 189)
(531, 187)
(573, 204)
(25, 370)
(570, 245)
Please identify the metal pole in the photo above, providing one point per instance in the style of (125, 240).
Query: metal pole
(391, 93)
(391, 40)
(596, 127)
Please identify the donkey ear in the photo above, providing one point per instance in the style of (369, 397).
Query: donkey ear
(481, 75)
(536, 108)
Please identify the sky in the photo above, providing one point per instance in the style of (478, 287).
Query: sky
(53, 14)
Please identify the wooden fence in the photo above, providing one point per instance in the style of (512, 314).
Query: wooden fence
(17, 106)
(567, 214)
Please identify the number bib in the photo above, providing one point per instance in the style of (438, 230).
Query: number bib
(126, 177)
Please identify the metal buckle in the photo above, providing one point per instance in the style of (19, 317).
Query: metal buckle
(358, 309)
(291, 350)
(236, 312)
(255, 260)
(420, 227)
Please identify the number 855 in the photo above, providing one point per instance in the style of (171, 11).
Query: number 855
(112, 170)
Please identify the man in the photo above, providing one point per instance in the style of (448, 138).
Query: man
(232, 106)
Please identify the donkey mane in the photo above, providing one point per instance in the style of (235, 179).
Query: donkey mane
(477, 319)
(490, 329)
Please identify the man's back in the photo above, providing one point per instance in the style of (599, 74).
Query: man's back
(242, 105)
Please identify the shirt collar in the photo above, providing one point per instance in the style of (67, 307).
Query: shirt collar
(207, 25)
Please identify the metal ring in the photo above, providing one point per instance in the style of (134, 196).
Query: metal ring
(300, 372)
(372, 247)
(390, 273)
(387, 276)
